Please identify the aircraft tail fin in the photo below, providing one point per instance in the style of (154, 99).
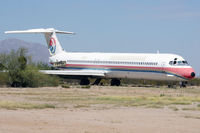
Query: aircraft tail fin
(50, 35)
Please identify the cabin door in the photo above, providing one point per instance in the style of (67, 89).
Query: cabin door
(163, 64)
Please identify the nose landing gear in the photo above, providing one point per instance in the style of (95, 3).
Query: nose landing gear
(183, 84)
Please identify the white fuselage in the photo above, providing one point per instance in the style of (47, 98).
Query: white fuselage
(127, 65)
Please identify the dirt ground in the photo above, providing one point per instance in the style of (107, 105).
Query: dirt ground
(118, 120)
(115, 119)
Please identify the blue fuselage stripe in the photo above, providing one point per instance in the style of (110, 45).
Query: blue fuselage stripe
(125, 70)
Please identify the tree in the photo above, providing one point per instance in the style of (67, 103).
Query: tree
(21, 72)
(15, 63)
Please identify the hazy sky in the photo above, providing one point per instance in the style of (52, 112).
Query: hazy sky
(170, 26)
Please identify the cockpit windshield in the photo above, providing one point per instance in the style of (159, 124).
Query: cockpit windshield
(179, 63)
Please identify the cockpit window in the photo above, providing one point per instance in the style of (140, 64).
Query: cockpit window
(185, 62)
(179, 63)
(174, 62)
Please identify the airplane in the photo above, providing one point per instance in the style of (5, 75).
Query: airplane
(115, 66)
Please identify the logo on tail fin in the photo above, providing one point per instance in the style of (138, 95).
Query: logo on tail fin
(52, 45)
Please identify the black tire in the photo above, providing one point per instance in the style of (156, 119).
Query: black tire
(183, 84)
(115, 82)
(85, 81)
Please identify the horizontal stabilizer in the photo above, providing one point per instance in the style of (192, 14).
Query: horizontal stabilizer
(49, 30)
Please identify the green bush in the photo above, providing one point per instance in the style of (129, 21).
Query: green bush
(19, 71)
(86, 86)
(3, 78)
(43, 66)
(33, 78)
(195, 81)
(65, 86)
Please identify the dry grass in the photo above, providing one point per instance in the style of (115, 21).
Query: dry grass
(40, 98)
(16, 105)
(193, 117)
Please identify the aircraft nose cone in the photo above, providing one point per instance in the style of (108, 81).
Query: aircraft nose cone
(192, 74)
(188, 73)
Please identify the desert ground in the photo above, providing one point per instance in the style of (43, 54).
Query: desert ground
(100, 109)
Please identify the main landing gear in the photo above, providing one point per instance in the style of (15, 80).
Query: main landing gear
(85, 81)
(115, 82)
(97, 81)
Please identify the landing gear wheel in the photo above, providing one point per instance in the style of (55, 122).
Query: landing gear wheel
(172, 86)
(97, 81)
(115, 82)
(85, 81)
(183, 84)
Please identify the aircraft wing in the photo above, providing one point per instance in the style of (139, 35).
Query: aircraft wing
(95, 73)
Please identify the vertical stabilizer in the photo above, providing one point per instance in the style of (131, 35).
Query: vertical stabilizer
(51, 39)
(53, 43)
